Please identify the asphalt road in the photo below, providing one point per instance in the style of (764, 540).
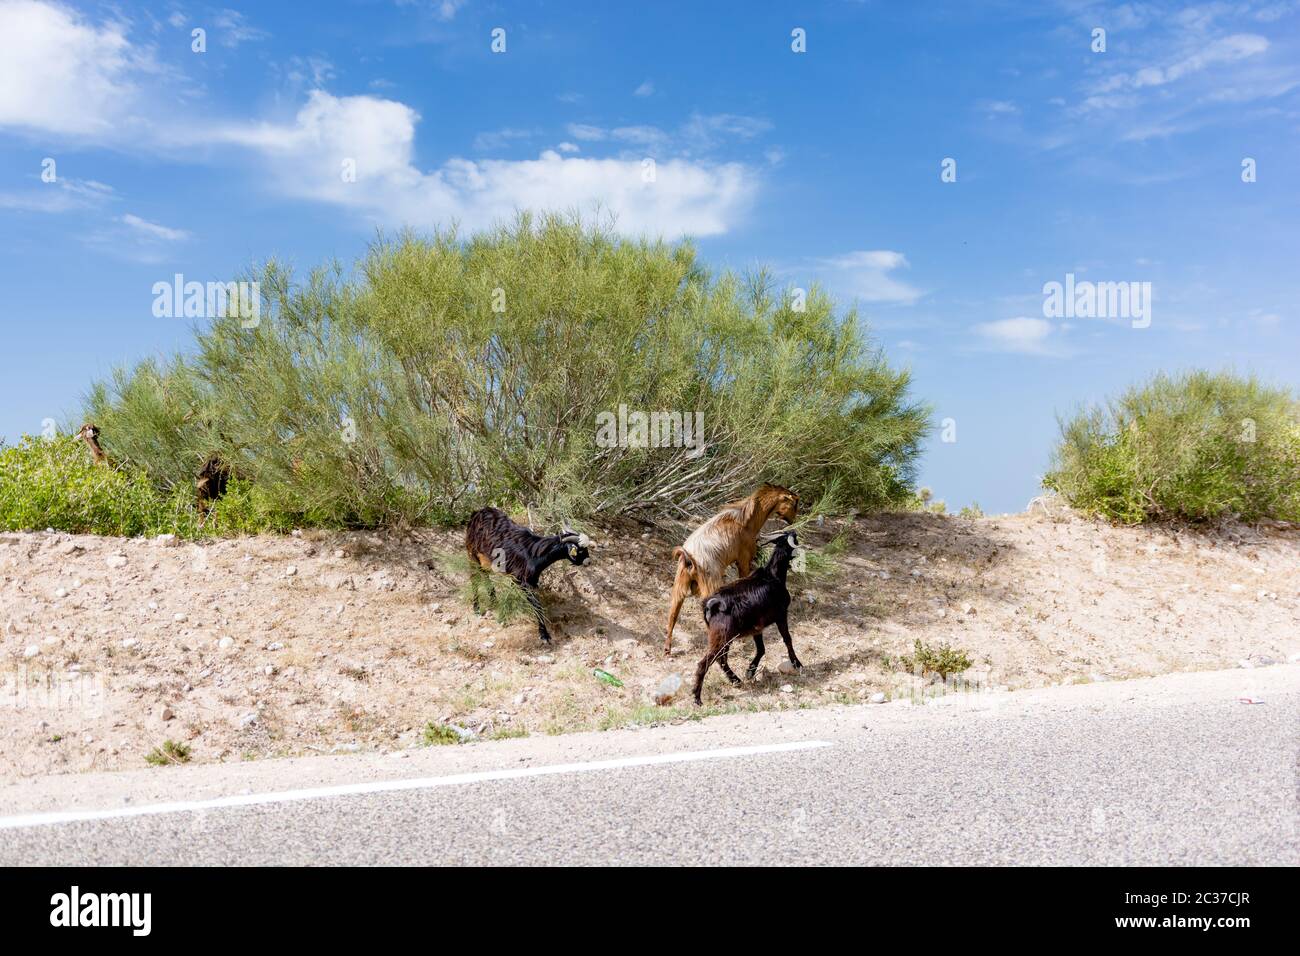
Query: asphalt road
(1172, 770)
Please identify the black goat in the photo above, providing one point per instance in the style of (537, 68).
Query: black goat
(209, 485)
(743, 608)
(495, 543)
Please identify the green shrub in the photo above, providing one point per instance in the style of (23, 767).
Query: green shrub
(170, 753)
(1197, 446)
(944, 660)
(54, 483)
(445, 374)
(439, 735)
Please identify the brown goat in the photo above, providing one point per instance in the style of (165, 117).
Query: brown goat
(209, 485)
(90, 435)
(729, 537)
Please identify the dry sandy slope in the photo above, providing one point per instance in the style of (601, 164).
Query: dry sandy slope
(355, 641)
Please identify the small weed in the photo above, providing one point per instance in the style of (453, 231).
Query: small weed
(171, 752)
(944, 660)
(438, 735)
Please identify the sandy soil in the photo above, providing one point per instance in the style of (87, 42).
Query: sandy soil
(337, 642)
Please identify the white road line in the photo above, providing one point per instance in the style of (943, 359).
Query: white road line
(385, 786)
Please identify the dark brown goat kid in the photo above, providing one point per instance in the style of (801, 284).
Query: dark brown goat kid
(209, 485)
(743, 608)
(495, 543)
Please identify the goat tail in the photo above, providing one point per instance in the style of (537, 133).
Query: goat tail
(712, 606)
(685, 559)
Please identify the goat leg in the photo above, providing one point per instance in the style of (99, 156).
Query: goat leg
(536, 603)
(761, 650)
(715, 648)
(726, 667)
(681, 587)
(784, 627)
(474, 573)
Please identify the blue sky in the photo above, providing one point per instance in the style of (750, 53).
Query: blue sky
(1122, 165)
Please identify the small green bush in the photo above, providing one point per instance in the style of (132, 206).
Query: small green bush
(439, 735)
(944, 660)
(1198, 446)
(170, 753)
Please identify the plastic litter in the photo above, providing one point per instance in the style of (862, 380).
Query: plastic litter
(607, 678)
(1249, 700)
(667, 689)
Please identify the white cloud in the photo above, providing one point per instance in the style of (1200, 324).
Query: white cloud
(499, 139)
(62, 195)
(60, 73)
(1274, 11)
(1227, 49)
(866, 275)
(447, 8)
(641, 135)
(705, 131)
(701, 133)
(134, 239)
(637, 135)
(568, 148)
(685, 197)
(153, 230)
(1172, 70)
(997, 107)
(585, 132)
(311, 72)
(1030, 336)
(232, 29)
(645, 89)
